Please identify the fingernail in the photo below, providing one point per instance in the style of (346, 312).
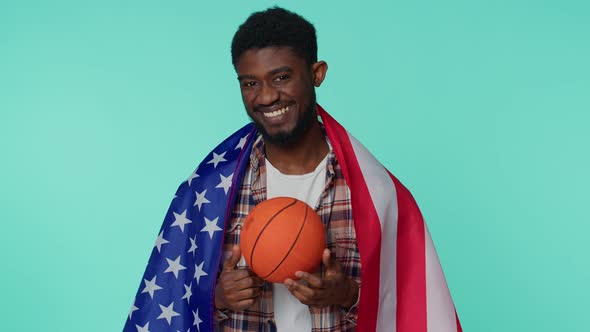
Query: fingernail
(299, 274)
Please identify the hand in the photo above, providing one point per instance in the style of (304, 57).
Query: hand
(236, 289)
(335, 288)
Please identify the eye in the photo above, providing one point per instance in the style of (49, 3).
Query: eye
(281, 78)
(248, 84)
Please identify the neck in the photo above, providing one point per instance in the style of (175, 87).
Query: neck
(301, 157)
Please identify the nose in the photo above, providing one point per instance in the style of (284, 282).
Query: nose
(268, 94)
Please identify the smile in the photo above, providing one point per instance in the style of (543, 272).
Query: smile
(277, 112)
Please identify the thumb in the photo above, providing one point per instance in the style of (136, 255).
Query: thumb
(330, 263)
(232, 261)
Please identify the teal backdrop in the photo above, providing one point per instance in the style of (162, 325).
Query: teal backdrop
(480, 107)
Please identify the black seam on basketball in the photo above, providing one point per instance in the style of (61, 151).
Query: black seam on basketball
(263, 228)
(290, 249)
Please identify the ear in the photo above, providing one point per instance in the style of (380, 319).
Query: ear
(318, 71)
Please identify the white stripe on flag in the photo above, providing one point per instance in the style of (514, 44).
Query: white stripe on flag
(439, 308)
(383, 195)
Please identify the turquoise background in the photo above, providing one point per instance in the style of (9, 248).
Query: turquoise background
(480, 107)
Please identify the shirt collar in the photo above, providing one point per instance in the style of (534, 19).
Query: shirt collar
(258, 156)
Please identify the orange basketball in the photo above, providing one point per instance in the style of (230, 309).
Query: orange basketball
(280, 236)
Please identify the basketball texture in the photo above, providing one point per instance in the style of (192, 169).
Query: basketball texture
(281, 236)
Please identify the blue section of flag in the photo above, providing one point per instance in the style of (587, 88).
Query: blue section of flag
(188, 250)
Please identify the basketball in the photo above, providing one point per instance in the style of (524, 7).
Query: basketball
(281, 236)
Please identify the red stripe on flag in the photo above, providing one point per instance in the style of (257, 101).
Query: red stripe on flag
(411, 264)
(459, 329)
(366, 223)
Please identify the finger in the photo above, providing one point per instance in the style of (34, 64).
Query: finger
(315, 299)
(258, 282)
(234, 275)
(331, 263)
(312, 280)
(241, 305)
(250, 274)
(254, 275)
(249, 282)
(232, 261)
(244, 294)
(300, 296)
(303, 291)
(327, 258)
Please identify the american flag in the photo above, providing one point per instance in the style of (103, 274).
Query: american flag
(403, 285)
(177, 289)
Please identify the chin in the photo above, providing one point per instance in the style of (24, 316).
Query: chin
(289, 132)
(281, 138)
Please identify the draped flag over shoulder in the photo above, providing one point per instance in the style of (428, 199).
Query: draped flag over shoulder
(176, 293)
(403, 287)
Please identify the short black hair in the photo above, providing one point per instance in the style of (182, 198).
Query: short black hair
(276, 26)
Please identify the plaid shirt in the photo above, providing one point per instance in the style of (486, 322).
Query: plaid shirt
(334, 209)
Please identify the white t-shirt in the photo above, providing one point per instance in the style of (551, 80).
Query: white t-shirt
(290, 314)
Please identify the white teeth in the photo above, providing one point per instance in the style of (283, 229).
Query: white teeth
(277, 112)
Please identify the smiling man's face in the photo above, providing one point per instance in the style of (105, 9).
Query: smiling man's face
(278, 92)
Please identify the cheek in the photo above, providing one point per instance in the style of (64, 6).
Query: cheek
(300, 90)
(247, 97)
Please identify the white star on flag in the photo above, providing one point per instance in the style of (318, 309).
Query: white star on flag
(168, 312)
(193, 245)
(180, 220)
(174, 266)
(242, 142)
(187, 293)
(201, 199)
(133, 308)
(193, 176)
(197, 320)
(211, 226)
(199, 271)
(160, 241)
(145, 328)
(217, 158)
(151, 287)
(225, 182)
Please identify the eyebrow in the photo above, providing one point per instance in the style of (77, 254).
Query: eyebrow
(272, 72)
(243, 77)
(281, 69)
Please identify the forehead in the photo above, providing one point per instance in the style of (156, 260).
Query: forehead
(259, 61)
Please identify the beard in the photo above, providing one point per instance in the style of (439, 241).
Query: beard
(287, 138)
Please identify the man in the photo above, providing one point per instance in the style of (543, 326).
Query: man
(379, 271)
(274, 54)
